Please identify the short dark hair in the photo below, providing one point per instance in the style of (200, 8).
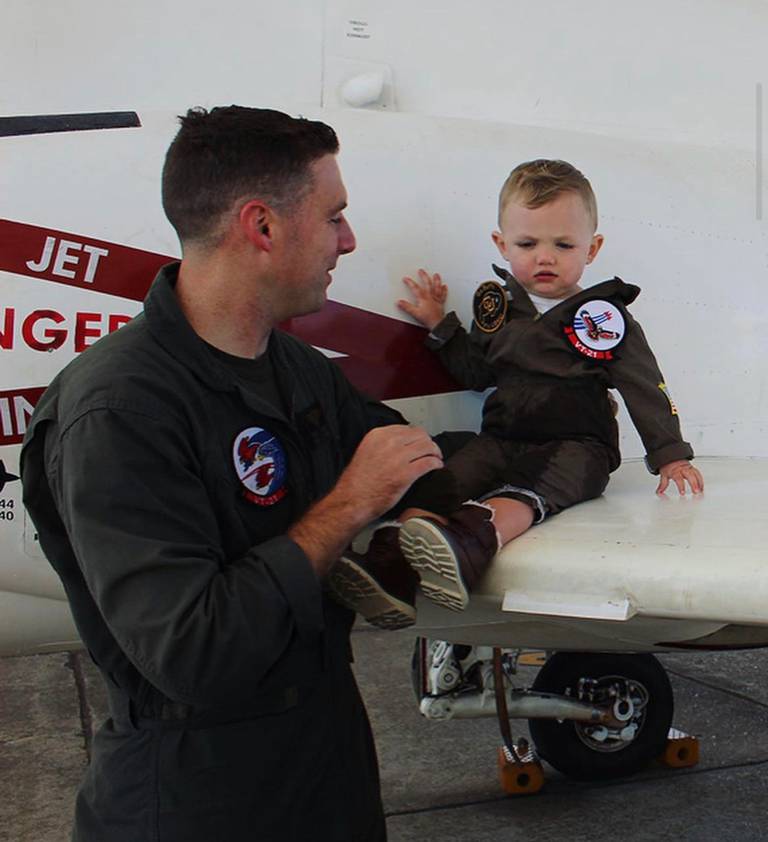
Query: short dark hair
(229, 152)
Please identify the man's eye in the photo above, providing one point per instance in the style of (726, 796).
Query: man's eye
(336, 220)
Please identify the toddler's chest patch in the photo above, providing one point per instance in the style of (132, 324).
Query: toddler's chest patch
(598, 327)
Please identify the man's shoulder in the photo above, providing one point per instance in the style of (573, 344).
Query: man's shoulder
(127, 369)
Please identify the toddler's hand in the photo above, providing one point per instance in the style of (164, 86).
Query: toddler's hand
(429, 294)
(680, 472)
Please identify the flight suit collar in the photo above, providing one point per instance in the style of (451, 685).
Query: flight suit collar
(172, 331)
(614, 287)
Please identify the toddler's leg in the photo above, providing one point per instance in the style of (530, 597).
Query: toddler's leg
(451, 554)
(378, 584)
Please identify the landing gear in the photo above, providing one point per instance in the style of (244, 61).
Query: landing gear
(634, 687)
(591, 716)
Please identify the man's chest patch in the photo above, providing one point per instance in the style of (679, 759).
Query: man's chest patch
(260, 465)
(489, 306)
(598, 327)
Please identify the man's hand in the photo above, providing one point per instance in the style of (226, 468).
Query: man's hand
(429, 293)
(386, 463)
(680, 472)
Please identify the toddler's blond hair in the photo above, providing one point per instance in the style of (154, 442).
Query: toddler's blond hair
(536, 183)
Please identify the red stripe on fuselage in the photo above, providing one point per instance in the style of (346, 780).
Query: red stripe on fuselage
(385, 357)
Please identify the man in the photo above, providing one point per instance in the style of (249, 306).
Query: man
(192, 478)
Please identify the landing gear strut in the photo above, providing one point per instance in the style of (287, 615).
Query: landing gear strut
(591, 715)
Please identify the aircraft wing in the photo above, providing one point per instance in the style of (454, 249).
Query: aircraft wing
(632, 570)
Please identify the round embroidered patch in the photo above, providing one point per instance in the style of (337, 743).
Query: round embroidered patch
(597, 328)
(260, 465)
(490, 306)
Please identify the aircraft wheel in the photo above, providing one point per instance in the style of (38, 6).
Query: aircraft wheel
(417, 667)
(638, 688)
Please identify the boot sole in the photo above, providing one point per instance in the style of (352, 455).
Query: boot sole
(431, 556)
(355, 589)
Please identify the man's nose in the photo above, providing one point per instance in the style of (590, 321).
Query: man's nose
(347, 240)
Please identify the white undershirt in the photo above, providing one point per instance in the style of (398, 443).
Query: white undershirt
(543, 304)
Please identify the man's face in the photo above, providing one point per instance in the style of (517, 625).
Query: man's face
(319, 234)
(547, 248)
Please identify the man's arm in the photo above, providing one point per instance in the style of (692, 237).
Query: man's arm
(385, 464)
(204, 628)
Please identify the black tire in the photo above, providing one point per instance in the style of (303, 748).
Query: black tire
(569, 746)
(417, 671)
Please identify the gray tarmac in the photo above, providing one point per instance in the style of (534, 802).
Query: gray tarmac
(439, 779)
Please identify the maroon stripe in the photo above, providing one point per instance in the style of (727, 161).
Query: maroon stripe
(385, 357)
(123, 271)
(15, 408)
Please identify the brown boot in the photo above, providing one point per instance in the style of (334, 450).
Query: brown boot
(379, 585)
(450, 558)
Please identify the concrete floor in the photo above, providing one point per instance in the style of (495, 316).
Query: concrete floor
(439, 778)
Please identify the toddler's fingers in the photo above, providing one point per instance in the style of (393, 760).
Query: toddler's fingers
(696, 480)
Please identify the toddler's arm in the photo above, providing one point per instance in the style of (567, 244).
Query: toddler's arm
(680, 472)
(429, 293)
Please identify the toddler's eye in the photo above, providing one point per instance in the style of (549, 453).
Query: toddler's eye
(526, 244)
(565, 246)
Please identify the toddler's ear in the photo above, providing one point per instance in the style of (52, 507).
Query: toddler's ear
(498, 238)
(597, 244)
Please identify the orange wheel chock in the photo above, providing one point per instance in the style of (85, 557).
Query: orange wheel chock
(521, 776)
(682, 750)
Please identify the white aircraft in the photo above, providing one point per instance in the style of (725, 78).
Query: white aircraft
(602, 585)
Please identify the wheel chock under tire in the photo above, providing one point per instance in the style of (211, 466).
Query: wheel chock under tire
(520, 775)
(681, 752)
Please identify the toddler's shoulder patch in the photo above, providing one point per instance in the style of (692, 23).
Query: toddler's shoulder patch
(489, 306)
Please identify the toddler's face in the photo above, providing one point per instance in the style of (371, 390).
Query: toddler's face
(547, 248)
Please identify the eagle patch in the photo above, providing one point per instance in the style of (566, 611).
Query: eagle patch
(260, 465)
(598, 327)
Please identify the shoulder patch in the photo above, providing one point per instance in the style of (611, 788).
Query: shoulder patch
(598, 327)
(260, 465)
(489, 306)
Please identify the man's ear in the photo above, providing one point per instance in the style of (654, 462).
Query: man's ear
(501, 245)
(595, 246)
(257, 222)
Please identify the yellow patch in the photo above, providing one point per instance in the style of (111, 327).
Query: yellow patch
(665, 390)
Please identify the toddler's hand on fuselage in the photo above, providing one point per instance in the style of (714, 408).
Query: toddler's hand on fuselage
(429, 294)
(680, 472)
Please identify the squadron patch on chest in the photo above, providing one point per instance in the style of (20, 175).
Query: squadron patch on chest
(260, 465)
(490, 306)
(598, 327)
